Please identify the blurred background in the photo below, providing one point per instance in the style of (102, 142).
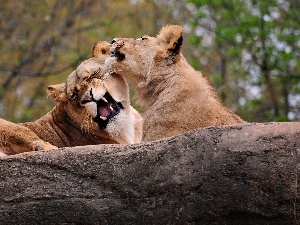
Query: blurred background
(249, 50)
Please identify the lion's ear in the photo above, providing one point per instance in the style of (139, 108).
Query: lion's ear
(101, 49)
(57, 92)
(170, 40)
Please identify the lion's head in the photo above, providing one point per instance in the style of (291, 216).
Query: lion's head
(136, 58)
(95, 101)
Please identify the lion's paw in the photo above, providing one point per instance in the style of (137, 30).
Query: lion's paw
(42, 145)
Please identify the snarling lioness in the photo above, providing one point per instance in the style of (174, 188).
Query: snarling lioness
(92, 108)
(176, 97)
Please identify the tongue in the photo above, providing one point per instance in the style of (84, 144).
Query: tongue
(104, 110)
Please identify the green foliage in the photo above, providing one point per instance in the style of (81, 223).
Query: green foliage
(264, 38)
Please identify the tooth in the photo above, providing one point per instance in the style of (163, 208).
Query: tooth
(103, 118)
(111, 108)
(104, 99)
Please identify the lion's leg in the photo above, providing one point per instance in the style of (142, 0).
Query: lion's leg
(15, 138)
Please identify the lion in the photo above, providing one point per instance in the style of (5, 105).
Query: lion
(92, 108)
(176, 97)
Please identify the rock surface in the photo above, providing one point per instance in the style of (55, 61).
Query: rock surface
(242, 174)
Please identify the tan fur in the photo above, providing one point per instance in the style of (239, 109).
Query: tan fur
(176, 97)
(71, 122)
(15, 138)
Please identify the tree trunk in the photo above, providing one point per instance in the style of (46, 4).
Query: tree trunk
(242, 174)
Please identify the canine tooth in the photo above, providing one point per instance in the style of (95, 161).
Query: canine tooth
(104, 99)
(103, 118)
(111, 108)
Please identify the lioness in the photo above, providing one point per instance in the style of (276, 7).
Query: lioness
(92, 108)
(175, 96)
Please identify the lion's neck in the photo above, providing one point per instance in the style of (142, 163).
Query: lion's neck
(50, 127)
(160, 83)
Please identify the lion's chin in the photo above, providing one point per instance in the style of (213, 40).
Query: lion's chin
(107, 109)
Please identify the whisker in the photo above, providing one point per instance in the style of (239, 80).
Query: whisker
(108, 73)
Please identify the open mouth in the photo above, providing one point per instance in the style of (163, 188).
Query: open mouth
(118, 55)
(107, 109)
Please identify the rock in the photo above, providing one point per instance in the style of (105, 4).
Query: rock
(241, 174)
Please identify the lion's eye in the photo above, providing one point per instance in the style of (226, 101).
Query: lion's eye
(142, 38)
(74, 95)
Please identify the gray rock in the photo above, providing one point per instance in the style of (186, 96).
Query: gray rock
(242, 174)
